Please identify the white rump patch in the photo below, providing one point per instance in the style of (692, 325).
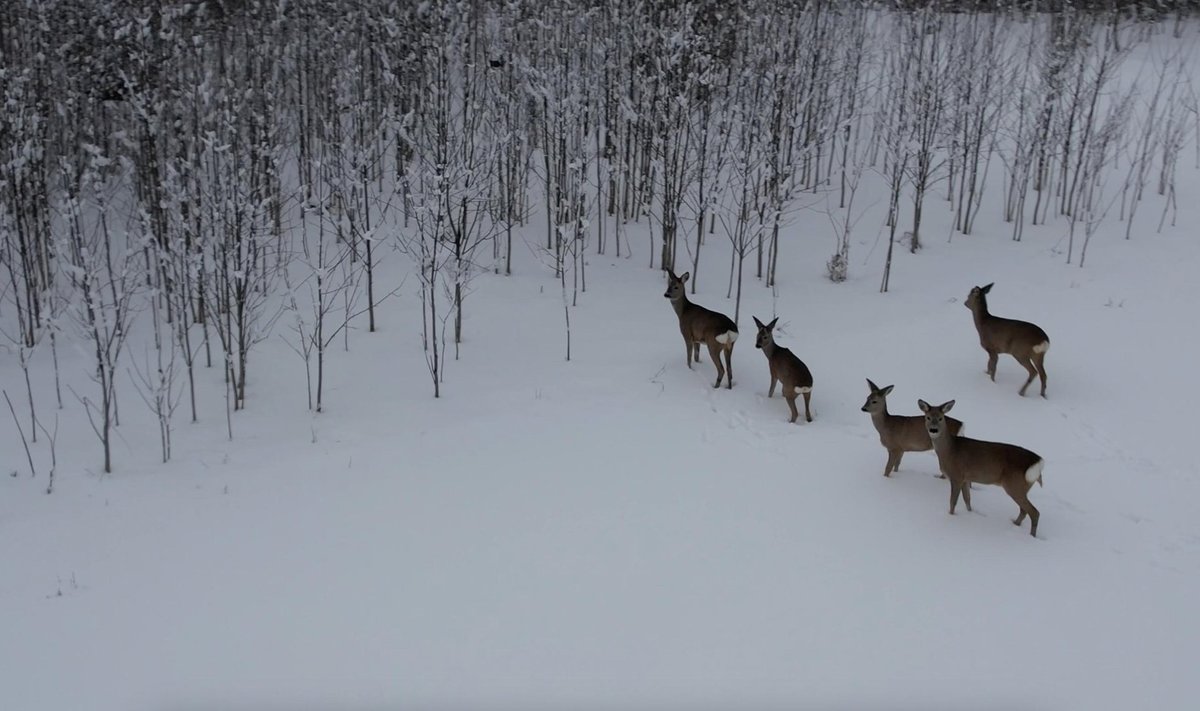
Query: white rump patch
(1034, 474)
(803, 390)
(962, 430)
(727, 338)
(1042, 347)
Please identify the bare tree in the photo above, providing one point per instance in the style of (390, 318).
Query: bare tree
(980, 72)
(155, 376)
(853, 94)
(1141, 153)
(1174, 137)
(101, 263)
(894, 128)
(1094, 200)
(928, 63)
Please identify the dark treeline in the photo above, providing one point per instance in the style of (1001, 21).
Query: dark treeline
(1144, 9)
(222, 171)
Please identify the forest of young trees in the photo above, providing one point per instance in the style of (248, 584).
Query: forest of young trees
(223, 172)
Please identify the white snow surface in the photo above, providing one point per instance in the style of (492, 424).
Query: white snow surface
(612, 532)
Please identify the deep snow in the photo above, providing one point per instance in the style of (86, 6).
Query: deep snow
(612, 532)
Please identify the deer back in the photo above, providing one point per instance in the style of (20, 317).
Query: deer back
(985, 462)
(790, 370)
(785, 366)
(965, 459)
(706, 325)
(1004, 335)
(697, 323)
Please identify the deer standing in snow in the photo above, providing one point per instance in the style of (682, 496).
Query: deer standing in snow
(1025, 341)
(900, 433)
(965, 460)
(786, 369)
(700, 325)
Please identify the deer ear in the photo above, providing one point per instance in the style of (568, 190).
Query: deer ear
(986, 289)
(886, 390)
(946, 406)
(686, 276)
(873, 386)
(923, 405)
(773, 322)
(757, 322)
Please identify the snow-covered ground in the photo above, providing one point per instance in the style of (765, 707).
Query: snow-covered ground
(611, 531)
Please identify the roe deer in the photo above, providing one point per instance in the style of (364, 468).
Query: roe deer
(965, 460)
(786, 369)
(1025, 341)
(700, 325)
(900, 433)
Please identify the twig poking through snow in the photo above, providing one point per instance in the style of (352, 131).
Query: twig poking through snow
(24, 442)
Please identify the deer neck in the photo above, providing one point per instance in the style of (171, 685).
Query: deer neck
(681, 304)
(769, 349)
(943, 445)
(980, 312)
(881, 417)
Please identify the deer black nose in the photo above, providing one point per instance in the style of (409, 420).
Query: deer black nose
(864, 408)
(668, 294)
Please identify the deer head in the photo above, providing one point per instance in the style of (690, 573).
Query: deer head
(877, 400)
(935, 417)
(675, 284)
(765, 338)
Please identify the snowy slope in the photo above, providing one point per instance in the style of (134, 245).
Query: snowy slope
(613, 532)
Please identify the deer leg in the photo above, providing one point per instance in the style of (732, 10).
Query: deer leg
(729, 363)
(771, 390)
(1027, 507)
(893, 458)
(993, 356)
(955, 486)
(687, 351)
(1039, 360)
(714, 352)
(1027, 364)
(899, 456)
(696, 351)
(966, 493)
(807, 411)
(1021, 497)
(791, 401)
